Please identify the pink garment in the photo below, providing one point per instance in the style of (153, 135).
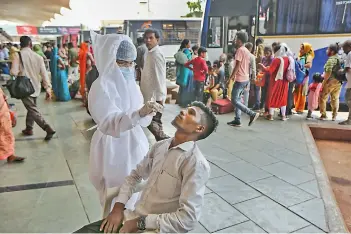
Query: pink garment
(313, 96)
(243, 56)
(7, 140)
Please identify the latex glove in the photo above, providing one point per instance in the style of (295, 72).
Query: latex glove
(149, 108)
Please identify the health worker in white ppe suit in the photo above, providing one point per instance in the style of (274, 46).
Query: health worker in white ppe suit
(117, 106)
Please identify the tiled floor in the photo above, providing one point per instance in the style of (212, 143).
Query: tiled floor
(262, 179)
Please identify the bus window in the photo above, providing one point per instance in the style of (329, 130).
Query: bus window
(214, 39)
(335, 16)
(288, 17)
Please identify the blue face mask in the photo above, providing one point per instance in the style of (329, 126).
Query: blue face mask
(128, 73)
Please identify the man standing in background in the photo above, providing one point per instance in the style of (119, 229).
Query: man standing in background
(153, 80)
(141, 51)
(72, 61)
(347, 51)
(241, 76)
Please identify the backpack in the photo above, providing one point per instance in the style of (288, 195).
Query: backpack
(299, 72)
(338, 72)
(290, 74)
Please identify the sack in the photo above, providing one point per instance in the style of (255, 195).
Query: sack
(181, 58)
(21, 87)
(338, 72)
(222, 106)
(299, 73)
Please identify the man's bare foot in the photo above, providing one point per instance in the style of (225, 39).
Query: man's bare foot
(14, 159)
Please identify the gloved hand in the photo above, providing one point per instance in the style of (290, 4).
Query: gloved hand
(150, 107)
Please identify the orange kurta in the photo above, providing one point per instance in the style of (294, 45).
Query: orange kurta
(83, 54)
(7, 140)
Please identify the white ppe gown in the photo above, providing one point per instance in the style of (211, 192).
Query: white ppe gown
(119, 142)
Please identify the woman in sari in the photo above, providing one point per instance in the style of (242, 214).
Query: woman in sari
(277, 94)
(306, 58)
(7, 140)
(86, 61)
(59, 77)
(184, 75)
(53, 70)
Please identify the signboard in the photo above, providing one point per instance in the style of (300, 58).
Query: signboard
(68, 30)
(51, 30)
(27, 30)
(48, 31)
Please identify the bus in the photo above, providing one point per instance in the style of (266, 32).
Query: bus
(172, 31)
(319, 22)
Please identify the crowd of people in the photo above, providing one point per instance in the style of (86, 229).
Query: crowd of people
(176, 172)
(264, 78)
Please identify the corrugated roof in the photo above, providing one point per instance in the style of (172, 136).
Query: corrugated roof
(33, 12)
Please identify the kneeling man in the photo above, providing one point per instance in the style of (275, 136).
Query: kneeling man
(176, 174)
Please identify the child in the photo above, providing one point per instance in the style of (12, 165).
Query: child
(200, 70)
(262, 84)
(211, 76)
(314, 91)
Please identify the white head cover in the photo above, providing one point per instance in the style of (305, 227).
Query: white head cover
(114, 150)
(111, 80)
(284, 51)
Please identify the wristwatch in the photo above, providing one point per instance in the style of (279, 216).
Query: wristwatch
(141, 223)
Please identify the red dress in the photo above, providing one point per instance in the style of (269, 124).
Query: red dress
(277, 95)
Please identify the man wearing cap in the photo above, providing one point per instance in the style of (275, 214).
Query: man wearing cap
(241, 77)
(200, 69)
(117, 106)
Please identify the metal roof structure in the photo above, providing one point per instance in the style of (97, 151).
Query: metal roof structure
(4, 36)
(33, 12)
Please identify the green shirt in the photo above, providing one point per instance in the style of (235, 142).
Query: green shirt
(330, 64)
(73, 57)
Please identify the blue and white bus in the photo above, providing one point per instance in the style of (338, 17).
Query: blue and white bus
(319, 22)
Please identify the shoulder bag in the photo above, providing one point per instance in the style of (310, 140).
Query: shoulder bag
(21, 87)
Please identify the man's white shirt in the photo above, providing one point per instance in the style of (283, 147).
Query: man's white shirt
(173, 196)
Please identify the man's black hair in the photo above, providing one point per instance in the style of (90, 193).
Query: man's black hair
(207, 118)
(64, 44)
(242, 36)
(154, 31)
(70, 45)
(201, 50)
(25, 41)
